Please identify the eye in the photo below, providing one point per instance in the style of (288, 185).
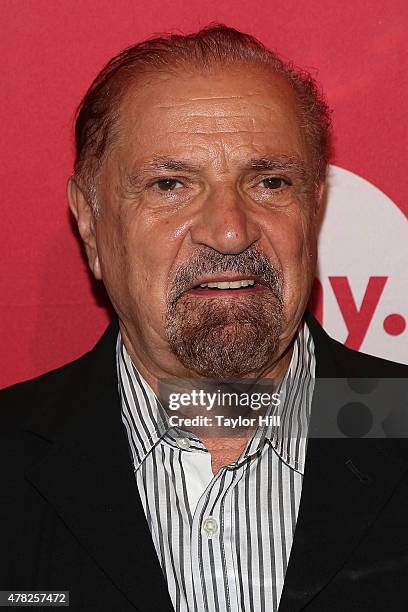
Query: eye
(168, 184)
(274, 182)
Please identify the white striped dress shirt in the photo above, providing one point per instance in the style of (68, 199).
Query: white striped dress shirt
(223, 541)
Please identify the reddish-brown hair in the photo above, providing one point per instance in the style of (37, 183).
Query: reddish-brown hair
(216, 45)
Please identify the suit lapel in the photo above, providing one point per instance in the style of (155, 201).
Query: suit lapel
(88, 478)
(346, 482)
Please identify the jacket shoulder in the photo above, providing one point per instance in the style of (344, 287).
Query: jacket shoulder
(362, 364)
(335, 359)
(19, 401)
(47, 396)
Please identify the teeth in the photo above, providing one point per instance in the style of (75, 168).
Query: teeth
(229, 285)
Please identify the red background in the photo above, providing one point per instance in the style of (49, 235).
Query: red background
(50, 52)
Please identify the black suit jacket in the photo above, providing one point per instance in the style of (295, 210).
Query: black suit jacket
(71, 517)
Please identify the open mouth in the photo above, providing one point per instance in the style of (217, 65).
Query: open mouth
(227, 287)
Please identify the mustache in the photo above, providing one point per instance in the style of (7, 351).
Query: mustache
(210, 262)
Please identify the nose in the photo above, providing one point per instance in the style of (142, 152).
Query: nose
(225, 223)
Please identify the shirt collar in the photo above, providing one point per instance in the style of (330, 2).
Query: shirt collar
(146, 420)
(289, 438)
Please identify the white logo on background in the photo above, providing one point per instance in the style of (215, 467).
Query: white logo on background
(361, 293)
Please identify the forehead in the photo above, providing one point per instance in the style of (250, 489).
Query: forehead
(228, 112)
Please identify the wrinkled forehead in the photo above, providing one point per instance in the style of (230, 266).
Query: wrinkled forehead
(234, 109)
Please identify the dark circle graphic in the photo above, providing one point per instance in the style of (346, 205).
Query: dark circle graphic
(354, 420)
(394, 324)
(362, 385)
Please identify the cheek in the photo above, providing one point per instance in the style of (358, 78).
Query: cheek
(148, 251)
(122, 268)
(292, 241)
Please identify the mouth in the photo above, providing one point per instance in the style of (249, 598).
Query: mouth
(227, 286)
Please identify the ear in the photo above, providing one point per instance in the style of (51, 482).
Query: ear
(85, 218)
(319, 203)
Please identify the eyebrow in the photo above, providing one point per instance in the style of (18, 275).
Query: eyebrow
(277, 163)
(166, 163)
(158, 164)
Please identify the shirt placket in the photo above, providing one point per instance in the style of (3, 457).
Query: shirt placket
(212, 541)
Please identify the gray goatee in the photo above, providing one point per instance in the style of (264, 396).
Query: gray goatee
(225, 337)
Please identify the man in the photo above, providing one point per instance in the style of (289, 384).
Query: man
(199, 175)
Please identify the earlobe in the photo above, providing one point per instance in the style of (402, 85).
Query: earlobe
(84, 216)
(96, 268)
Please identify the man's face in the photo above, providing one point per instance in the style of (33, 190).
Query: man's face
(210, 181)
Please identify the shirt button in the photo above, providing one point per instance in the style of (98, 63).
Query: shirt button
(183, 443)
(210, 526)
